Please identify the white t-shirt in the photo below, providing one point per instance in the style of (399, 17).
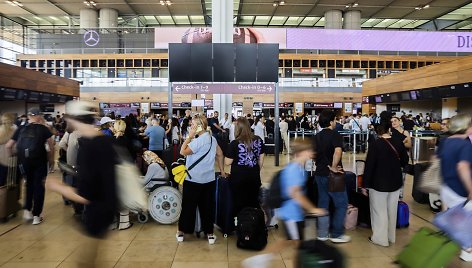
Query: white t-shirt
(355, 124)
(259, 130)
(231, 133)
(365, 122)
(225, 124)
(175, 133)
(283, 127)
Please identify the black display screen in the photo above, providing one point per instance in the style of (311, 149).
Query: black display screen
(246, 62)
(405, 96)
(223, 62)
(202, 61)
(179, 63)
(33, 96)
(8, 94)
(394, 98)
(267, 62)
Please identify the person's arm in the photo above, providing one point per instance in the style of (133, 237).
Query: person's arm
(67, 191)
(220, 158)
(9, 147)
(296, 193)
(51, 153)
(185, 149)
(230, 155)
(370, 163)
(407, 142)
(218, 127)
(338, 152)
(261, 161)
(64, 141)
(463, 169)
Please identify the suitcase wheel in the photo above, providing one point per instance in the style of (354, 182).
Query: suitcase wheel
(198, 234)
(276, 226)
(225, 235)
(143, 217)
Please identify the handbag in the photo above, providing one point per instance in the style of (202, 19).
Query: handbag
(456, 223)
(428, 248)
(180, 171)
(431, 179)
(336, 182)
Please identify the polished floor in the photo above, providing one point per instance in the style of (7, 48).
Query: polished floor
(57, 243)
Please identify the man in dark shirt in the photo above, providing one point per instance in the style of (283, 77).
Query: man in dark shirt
(292, 125)
(215, 125)
(34, 162)
(251, 121)
(408, 124)
(328, 146)
(270, 125)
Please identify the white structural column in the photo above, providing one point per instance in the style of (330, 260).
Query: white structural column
(352, 20)
(88, 18)
(108, 18)
(333, 19)
(222, 32)
(449, 107)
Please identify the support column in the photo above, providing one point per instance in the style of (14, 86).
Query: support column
(352, 20)
(88, 19)
(334, 19)
(222, 32)
(449, 107)
(108, 18)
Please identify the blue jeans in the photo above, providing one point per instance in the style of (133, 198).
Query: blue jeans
(340, 209)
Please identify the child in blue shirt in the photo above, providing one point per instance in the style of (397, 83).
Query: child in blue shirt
(293, 210)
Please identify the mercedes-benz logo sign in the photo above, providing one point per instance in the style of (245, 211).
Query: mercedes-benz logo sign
(91, 38)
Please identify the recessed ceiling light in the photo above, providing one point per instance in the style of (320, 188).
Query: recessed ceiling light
(282, 3)
(14, 3)
(427, 6)
(165, 2)
(53, 18)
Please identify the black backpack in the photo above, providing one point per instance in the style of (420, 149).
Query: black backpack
(30, 146)
(275, 198)
(251, 229)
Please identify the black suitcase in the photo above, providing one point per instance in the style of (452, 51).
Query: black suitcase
(10, 191)
(251, 229)
(418, 196)
(363, 205)
(224, 220)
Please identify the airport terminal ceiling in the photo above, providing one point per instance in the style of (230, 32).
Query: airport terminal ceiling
(375, 14)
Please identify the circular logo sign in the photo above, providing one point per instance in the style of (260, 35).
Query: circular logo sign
(91, 38)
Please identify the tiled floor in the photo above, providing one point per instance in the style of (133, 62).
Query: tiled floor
(57, 241)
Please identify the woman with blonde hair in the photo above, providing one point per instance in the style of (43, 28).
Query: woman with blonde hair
(246, 158)
(156, 170)
(455, 153)
(7, 129)
(201, 150)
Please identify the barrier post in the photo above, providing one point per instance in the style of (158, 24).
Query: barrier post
(276, 129)
(169, 100)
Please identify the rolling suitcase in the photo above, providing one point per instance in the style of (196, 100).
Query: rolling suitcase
(316, 253)
(270, 218)
(418, 196)
(363, 206)
(224, 208)
(10, 192)
(403, 215)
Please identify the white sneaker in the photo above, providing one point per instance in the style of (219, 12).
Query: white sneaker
(322, 238)
(258, 261)
(466, 256)
(180, 237)
(341, 239)
(27, 215)
(37, 220)
(211, 239)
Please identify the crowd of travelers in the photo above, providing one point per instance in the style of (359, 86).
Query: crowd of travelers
(87, 143)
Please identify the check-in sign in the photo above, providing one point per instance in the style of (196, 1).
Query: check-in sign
(256, 88)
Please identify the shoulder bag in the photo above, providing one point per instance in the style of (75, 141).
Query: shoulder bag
(180, 171)
(431, 179)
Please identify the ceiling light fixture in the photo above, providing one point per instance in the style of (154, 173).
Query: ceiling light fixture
(90, 3)
(282, 3)
(14, 3)
(355, 4)
(165, 2)
(421, 7)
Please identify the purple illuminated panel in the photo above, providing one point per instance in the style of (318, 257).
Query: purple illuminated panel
(379, 40)
(203, 88)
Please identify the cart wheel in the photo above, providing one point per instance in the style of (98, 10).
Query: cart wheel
(143, 217)
(276, 226)
(225, 235)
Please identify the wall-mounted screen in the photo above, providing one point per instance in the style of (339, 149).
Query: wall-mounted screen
(413, 95)
(338, 105)
(405, 96)
(394, 97)
(378, 99)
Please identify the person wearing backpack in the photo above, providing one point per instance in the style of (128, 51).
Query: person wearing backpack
(97, 187)
(30, 141)
(294, 204)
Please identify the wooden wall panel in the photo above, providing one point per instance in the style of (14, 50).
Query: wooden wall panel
(446, 73)
(21, 78)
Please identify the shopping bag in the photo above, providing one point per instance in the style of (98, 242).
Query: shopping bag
(456, 222)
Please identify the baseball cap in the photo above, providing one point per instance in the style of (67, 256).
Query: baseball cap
(105, 120)
(80, 108)
(34, 111)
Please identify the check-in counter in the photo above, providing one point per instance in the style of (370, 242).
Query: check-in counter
(423, 148)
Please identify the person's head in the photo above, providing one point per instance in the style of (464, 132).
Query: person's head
(461, 124)
(155, 122)
(150, 158)
(200, 120)
(395, 122)
(242, 131)
(7, 119)
(445, 125)
(175, 122)
(35, 115)
(226, 115)
(256, 120)
(302, 150)
(385, 117)
(383, 128)
(119, 126)
(327, 119)
(187, 113)
(282, 118)
(248, 116)
(80, 115)
(215, 114)
(106, 122)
